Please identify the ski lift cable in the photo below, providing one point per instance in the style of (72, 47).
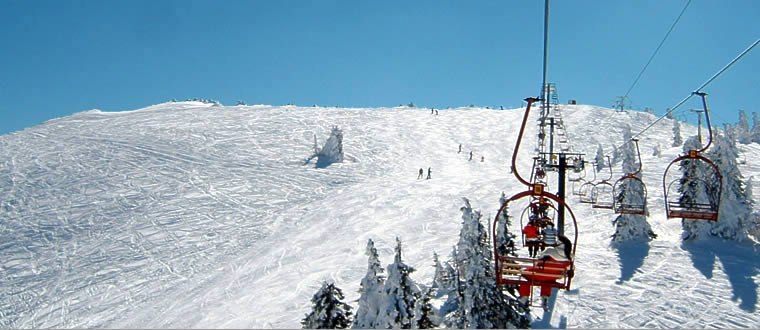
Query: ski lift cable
(698, 90)
(672, 26)
(656, 50)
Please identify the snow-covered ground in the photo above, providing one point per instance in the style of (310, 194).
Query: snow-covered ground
(190, 215)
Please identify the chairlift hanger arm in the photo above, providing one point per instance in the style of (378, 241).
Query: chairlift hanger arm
(609, 165)
(703, 95)
(530, 101)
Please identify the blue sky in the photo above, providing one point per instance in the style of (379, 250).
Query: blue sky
(62, 57)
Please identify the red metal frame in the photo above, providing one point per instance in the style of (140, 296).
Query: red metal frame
(697, 211)
(623, 208)
(607, 203)
(518, 266)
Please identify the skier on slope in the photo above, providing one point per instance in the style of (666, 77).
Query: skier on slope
(422, 172)
(428, 173)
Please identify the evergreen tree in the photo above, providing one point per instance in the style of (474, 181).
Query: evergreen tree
(743, 134)
(505, 240)
(755, 133)
(631, 226)
(440, 278)
(482, 304)
(423, 313)
(615, 157)
(599, 159)
(370, 289)
(734, 217)
(748, 189)
(677, 140)
(693, 191)
(332, 151)
(400, 295)
(657, 150)
(328, 310)
(729, 132)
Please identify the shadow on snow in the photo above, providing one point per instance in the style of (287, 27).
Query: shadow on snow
(631, 255)
(740, 263)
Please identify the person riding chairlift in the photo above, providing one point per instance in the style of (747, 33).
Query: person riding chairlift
(560, 257)
(549, 233)
(531, 237)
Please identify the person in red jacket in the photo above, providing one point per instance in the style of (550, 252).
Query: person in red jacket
(531, 237)
(553, 261)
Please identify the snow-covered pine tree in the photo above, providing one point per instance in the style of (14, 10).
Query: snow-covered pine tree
(631, 226)
(693, 191)
(371, 290)
(755, 132)
(729, 132)
(328, 310)
(734, 217)
(677, 140)
(332, 151)
(482, 304)
(599, 158)
(615, 157)
(748, 189)
(423, 312)
(743, 134)
(400, 295)
(505, 240)
(439, 277)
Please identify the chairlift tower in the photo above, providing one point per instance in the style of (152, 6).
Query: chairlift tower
(699, 123)
(620, 103)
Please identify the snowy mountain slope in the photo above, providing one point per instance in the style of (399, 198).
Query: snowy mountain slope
(187, 215)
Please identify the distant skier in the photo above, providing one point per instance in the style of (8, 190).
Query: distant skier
(460, 149)
(422, 172)
(432, 111)
(428, 177)
(470, 155)
(482, 158)
(436, 112)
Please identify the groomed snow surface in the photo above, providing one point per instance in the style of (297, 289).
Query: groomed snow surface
(186, 215)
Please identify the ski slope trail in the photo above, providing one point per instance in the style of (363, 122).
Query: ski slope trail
(187, 215)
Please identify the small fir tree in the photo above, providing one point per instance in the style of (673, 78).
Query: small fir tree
(734, 217)
(693, 191)
(370, 290)
(482, 303)
(657, 150)
(400, 295)
(755, 133)
(328, 310)
(332, 151)
(599, 159)
(743, 134)
(677, 140)
(631, 226)
(423, 312)
(505, 240)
